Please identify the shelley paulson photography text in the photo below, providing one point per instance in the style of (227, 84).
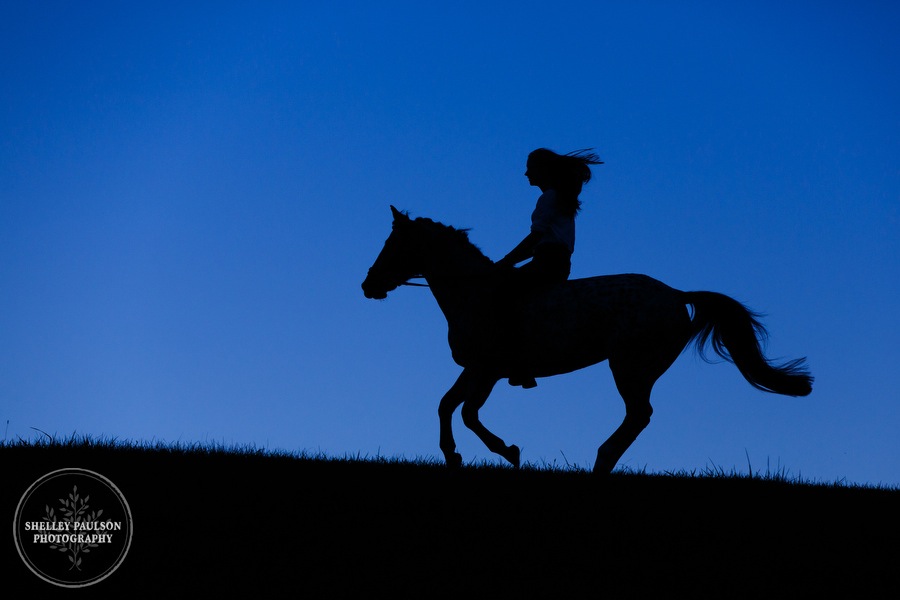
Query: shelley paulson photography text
(64, 532)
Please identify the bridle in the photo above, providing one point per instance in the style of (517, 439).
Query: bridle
(407, 282)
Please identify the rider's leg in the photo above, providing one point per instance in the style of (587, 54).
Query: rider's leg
(551, 265)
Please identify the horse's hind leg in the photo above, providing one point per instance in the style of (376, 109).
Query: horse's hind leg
(634, 387)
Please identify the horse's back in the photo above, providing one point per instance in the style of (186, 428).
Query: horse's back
(576, 324)
(607, 314)
(606, 293)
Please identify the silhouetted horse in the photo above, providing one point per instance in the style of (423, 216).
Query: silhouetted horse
(639, 324)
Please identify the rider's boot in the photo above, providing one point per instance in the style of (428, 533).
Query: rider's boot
(525, 381)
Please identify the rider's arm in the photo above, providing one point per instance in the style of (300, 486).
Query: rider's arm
(523, 251)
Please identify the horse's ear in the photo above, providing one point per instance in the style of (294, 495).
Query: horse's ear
(398, 216)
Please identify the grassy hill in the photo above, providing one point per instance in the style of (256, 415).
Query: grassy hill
(218, 521)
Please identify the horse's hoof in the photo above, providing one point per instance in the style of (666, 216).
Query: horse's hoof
(454, 461)
(602, 468)
(512, 455)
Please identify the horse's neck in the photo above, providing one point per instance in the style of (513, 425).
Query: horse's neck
(458, 283)
(452, 281)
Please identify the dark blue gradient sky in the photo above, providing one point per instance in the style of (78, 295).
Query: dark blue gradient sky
(191, 193)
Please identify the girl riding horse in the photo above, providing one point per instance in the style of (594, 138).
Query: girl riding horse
(551, 241)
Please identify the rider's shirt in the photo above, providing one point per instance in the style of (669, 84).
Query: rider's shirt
(554, 226)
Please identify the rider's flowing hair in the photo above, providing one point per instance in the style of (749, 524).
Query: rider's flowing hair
(566, 173)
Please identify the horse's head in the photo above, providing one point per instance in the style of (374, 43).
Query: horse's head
(398, 261)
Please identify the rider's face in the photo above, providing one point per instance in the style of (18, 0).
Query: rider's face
(535, 174)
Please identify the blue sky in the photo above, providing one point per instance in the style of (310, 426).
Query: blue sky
(191, 194)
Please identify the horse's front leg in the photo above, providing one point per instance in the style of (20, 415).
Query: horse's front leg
(479, 387)
(471, 389)
(455, 396)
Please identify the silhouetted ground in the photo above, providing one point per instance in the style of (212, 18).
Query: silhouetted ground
(236, 523)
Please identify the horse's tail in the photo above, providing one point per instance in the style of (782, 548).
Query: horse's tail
(735, 334)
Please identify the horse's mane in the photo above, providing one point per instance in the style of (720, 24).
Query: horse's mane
(454, 239)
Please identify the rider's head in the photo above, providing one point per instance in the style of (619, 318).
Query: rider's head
(565, 173)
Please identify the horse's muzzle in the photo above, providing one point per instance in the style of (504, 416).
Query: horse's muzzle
(372, 293)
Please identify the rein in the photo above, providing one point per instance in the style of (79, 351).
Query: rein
(415, 284)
